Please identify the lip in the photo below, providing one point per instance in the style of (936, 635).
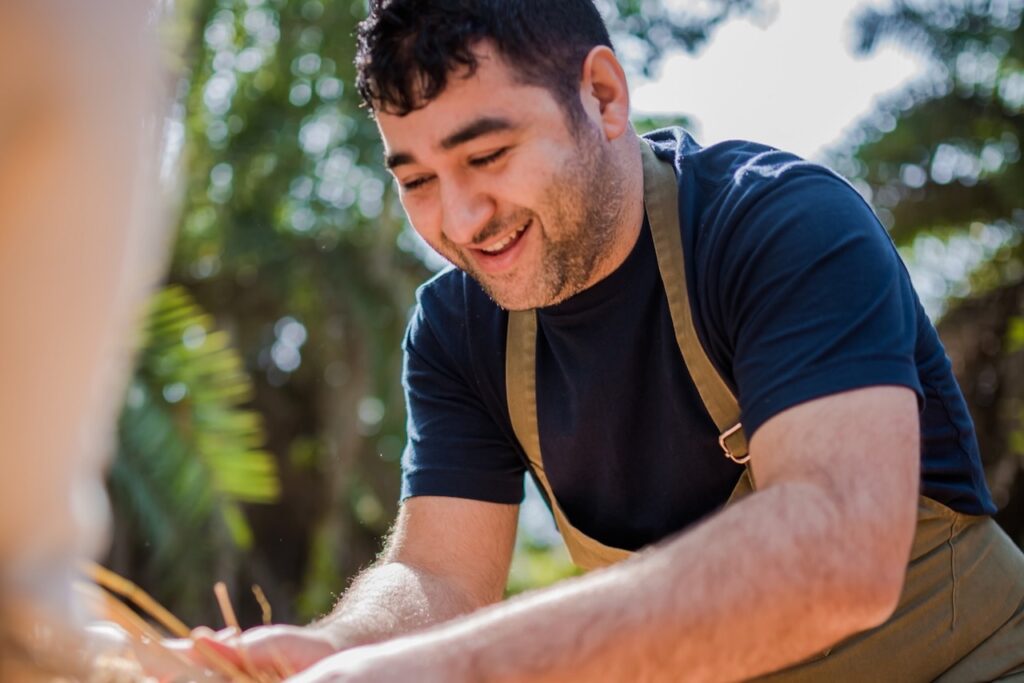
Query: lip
(496, 263)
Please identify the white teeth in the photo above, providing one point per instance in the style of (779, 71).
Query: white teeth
(493, 249)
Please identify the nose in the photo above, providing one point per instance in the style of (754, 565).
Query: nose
(466, 210)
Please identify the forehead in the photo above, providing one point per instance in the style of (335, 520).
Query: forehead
(491, 92)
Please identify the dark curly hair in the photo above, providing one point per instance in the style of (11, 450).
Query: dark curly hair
(407, 49)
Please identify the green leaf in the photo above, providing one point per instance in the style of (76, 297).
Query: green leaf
(1015, 335)
(187, 458)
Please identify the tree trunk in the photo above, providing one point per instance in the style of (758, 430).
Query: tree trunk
(990, 369)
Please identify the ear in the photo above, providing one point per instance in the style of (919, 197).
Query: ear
(604, 91)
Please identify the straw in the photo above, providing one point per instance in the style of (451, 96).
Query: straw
(142, 631)
(109, 586)
(265, 609)
(125, 588)
(228, 612)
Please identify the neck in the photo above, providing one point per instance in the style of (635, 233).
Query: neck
(630, 187)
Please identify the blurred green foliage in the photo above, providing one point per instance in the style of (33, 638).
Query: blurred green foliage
(646, 124)
(942, 158)
(941, 162)
(536, 565)
(1015, 335)
(189, 452)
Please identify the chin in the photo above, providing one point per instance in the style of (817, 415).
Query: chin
(511, 300)
(524, 301)
(521, 292)
(511, 303)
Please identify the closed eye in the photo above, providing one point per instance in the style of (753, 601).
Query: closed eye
(490, 158)
(415, 183)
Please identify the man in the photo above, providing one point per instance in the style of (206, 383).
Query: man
(557, 347)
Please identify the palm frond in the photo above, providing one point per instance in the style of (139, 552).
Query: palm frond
(189, 451)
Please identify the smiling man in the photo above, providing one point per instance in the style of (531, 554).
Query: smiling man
(649, 328)
(535, 240)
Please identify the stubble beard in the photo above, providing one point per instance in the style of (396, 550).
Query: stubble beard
(586, 202)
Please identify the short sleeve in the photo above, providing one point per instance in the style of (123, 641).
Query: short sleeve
(455, 447)
(813, 297)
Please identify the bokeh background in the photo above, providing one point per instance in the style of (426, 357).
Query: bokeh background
(260, 437)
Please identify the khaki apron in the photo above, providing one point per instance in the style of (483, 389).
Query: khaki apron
(960, 618)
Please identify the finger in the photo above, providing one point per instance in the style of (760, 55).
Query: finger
(162, 665)
(165, 660)
(287, 649)
(280, 649)
(209, 648)
(186, 647)
(240, 646)
(230, 648)
(222, 635)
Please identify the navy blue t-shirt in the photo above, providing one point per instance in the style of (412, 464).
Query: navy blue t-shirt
(797, 292)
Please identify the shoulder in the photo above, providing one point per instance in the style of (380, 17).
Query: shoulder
(729, 163)
(452, 316)
(440, 304)
(451, 297)
(771, 188)
(779, 212)
(721, 182)
(741, 200)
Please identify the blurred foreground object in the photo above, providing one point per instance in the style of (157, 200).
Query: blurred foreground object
(78, 252)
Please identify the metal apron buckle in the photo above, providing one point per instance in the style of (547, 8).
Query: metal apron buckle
(742, 460)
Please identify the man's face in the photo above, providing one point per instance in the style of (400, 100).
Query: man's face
(495, 181)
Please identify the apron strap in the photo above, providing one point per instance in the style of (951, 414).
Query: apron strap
(661, 201)
(521, 390)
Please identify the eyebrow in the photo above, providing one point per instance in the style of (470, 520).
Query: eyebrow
(471, 131)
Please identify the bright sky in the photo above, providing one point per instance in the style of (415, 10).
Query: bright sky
(792, 83)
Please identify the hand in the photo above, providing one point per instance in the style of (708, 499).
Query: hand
(396, 661)
(109, 640)
(280, 649)
(351, 666)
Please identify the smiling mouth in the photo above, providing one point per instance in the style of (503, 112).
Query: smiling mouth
(505, 244)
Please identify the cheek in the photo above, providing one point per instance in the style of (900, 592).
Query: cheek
(533, 184)
(522, 190)
(425, 218)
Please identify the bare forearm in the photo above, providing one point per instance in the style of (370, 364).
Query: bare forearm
(389, 600)
(749, 591)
